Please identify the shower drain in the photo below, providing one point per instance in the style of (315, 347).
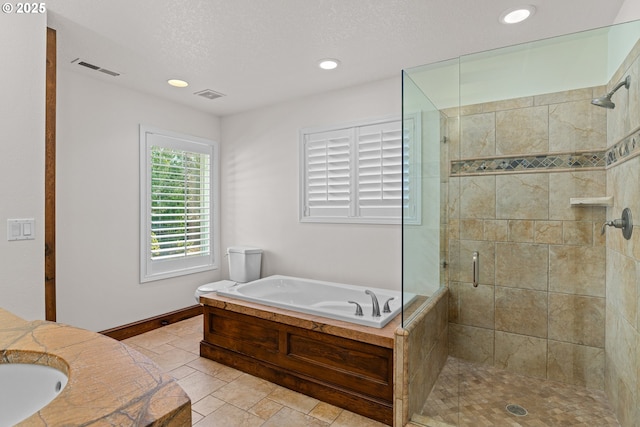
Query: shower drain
(516, 410)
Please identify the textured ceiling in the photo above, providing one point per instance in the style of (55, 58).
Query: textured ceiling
(259, 52)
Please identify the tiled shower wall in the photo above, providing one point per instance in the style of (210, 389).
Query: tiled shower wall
(622, 343)
(539, 309)
(420, 353)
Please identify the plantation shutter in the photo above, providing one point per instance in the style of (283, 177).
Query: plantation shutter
(180, 213)
(178, 219)
(380, 174)
(327, 156)
(411, 170)
(360, 173)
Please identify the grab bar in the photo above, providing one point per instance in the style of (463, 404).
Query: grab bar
(476, 269)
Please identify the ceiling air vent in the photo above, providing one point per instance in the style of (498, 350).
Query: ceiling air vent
(209, 94)
(94, 67)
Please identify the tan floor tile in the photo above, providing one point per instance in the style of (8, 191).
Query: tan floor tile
(185, 327)
(151, 339)
(215, 369)
(173, 359)
(160, 348)
(176, 349)
(255, 383)
(325, 412)
(293, 400)
(288, 417)
(195, 417)
(198, 385)
(189, 343)
(244, 392)
(181, 372)
(349, 419)
(266, 408)
(207, 405)
(230, 416)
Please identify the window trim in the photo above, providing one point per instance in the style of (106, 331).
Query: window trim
(163, 269)
(353, 218)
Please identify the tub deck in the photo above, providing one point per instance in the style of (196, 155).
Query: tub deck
(341, 363)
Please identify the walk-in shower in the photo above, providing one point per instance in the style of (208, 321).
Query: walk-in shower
(605, 101)
(521, 177)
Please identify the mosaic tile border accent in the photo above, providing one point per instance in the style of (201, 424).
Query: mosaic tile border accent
(624, 149)
(533, 163)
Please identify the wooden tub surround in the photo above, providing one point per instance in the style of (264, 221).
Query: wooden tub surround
(347, 365)
(109, 383)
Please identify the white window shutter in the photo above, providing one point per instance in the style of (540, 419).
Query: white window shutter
(179, 204)
(411, 171)
(360, 173)
(380, 170)
(180, 211)
(327, 156)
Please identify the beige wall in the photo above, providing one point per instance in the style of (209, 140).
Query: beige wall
(540, 308)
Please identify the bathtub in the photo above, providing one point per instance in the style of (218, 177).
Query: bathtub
(326, 299)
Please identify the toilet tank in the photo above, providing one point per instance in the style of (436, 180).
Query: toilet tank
(244, 263)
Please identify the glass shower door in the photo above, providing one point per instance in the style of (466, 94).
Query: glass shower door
(425, 243)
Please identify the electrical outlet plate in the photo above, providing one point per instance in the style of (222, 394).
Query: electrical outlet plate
(21, 229)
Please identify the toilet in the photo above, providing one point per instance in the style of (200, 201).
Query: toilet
(244, 266)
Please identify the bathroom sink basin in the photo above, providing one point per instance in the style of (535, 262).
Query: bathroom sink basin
(25, 389)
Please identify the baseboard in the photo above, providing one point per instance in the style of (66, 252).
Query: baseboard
(140, 327)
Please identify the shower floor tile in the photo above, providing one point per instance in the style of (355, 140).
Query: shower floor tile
(467, 394)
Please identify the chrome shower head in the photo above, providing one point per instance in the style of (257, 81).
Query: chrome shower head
(605, 101)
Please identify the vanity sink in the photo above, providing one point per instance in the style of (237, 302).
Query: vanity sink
(97, 380)
(25, 389)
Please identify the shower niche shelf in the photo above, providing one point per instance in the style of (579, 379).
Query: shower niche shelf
(591, 201)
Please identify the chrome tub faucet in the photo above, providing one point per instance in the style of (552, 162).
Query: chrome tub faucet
(374, 301)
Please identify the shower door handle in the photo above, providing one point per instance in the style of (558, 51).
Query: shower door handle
(476, 268)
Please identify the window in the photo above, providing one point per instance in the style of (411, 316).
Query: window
(178, 215)
(357, 173)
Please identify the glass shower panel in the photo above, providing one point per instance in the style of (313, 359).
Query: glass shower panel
(528, 135)
(515, 138)
(423, 246)
(430, 127)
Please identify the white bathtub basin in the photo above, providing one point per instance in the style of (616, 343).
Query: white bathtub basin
(25, 389)
(320, 298)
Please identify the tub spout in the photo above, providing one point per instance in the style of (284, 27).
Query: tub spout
(374, 302)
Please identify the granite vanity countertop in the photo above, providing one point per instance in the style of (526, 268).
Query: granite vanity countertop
(108, 382)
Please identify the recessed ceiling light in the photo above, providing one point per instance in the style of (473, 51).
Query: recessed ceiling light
(518, 14)
(328, 64)
(177, 83)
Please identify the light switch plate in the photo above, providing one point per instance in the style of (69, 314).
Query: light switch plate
(21, 229)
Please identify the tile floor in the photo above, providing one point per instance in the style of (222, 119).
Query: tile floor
(225, 397)
(472, 395)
